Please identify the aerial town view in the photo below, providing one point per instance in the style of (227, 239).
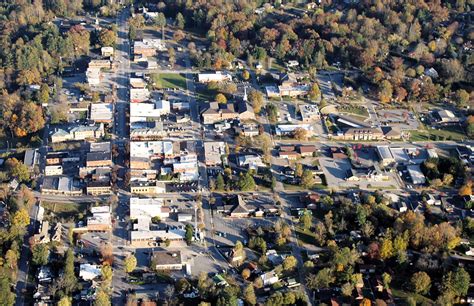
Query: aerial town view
(236, 152)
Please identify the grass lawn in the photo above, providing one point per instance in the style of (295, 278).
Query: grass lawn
(358, 112)
(420, 300)
(65, 210)
(169, 80)
(205, 94)
(447, 133)
(305, 237)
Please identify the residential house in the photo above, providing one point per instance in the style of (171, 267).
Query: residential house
(306, 150)
(269, 278)
(31, 158)
(290, 155)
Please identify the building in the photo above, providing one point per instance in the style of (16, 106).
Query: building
(416, 176)
(138, 95)
(101, 112)
(358, 134)
(250, 161)
(269, 278)
(447, 116)
(98, 159)
(140, 112)
(81, 132)
(53, 170)
(385, 155)
(309, 113)
(93, 76)
(289, 129)
(137, 82)
(247, 130)
(99, 147)
(290, 155)
(217, 76)
(101, 64)
(107, 51)
(219, 112)
(213, 152)
(56, 158)
(101, 219)
(148, 208)
(152, 149)
(148, 47)
(31, 158)
(147, 188)
(62, 185)
(167, 260)
(306, 150)
(89, 272)
(96, 188)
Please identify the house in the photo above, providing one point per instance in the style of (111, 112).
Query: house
(269, 278)
(250, 161)
(217, 76)
(306, 150)
(101, 112)
(107, 51)
(62, 185)
(248, 130)
(43, 234)
(96, 188)
(89, 272)
(167, 260)
(213, 152)
(98, 159)
(31, 158)
(291, 64)
(53, 170)
(309, 113)
(290, 155)
(101, 219)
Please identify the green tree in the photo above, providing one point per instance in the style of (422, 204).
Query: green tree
(386, 248)
(40, 254)
(387, 279)
(249, 295)
(256, 98)
(65, 301)
(246, 182)
(102, 298)
(307, 180)
(160, 20)
(306, 219)
(188, 236)
(106, 274)
(220, 98)
(289, 263)
(130, 263)
(323, 279)
(456, 282)
(385, 91)
(314, 92)
(8, 297)
(17, 169)
(245, 75)
(69, 280)
(421, 282)
(462, 97)
(43, 94)
(107, 38)
(21, 218)
(180, 21)
(220, 184)
(299, 170)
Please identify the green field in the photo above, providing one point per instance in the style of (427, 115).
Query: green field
(447, 133)
(169, 80)
(65, 210)
(305, 237)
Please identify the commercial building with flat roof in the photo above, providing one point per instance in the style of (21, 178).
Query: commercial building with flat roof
(167, 260)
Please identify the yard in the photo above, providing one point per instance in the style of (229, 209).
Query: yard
(169, 80)
(69, 210)
(356, 111)
(305, 237)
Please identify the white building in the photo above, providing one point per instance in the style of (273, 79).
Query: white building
(93, 76)
(89, 272)
(151, 149)
(53, 170)
(142, 111)
(288, 129)
(101, 112)
(107, 51)
(217, 76)
(148, 208)
(139, 95)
